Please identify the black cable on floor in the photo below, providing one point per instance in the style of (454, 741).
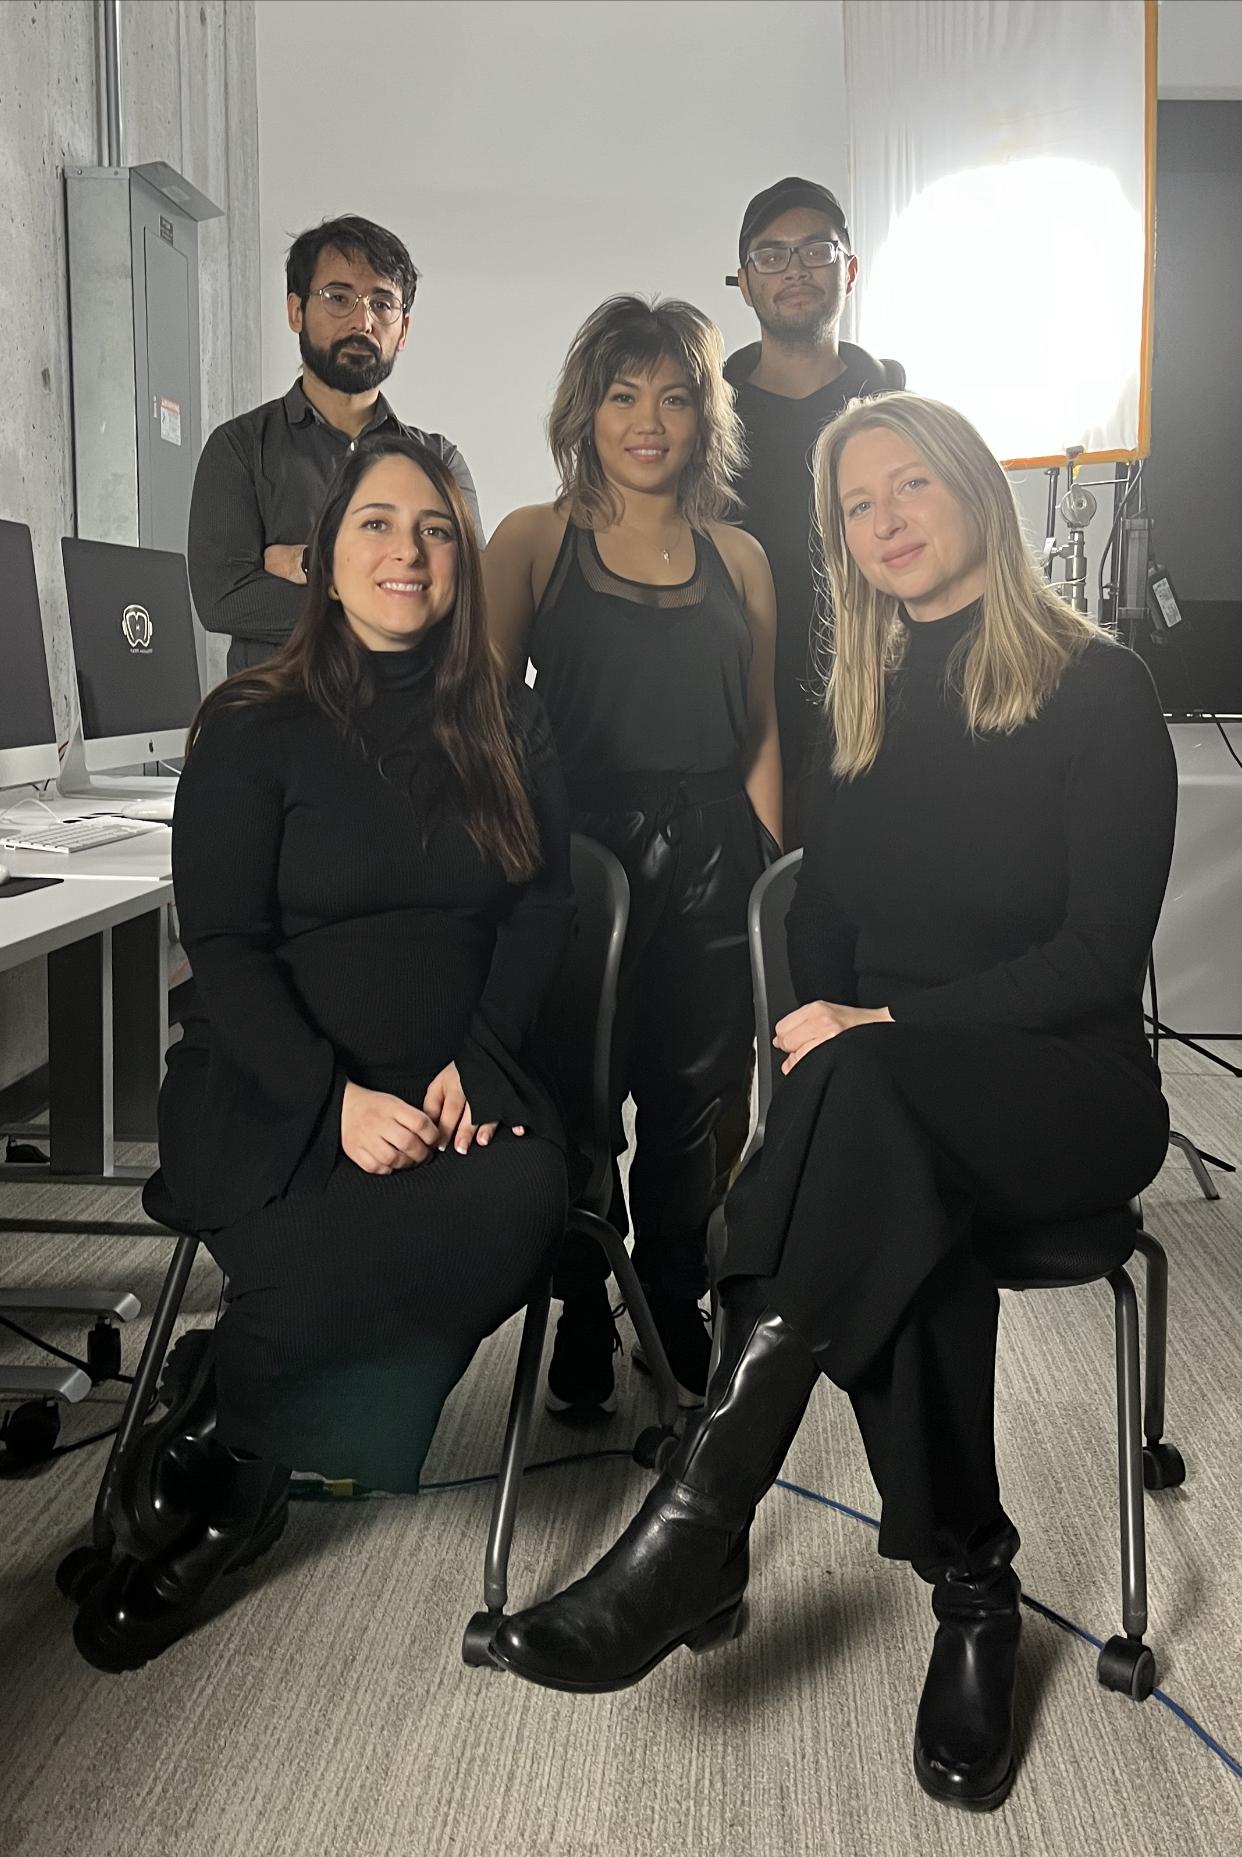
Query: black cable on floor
(26, 1468)
(72, 1360)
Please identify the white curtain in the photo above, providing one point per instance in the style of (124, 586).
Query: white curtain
(999, 168)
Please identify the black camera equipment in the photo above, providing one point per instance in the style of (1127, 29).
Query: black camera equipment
(1138, 601)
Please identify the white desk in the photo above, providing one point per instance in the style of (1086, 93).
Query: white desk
(107, 951)
(148, 856)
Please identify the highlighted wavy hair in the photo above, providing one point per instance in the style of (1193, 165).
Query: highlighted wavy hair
(626, 336)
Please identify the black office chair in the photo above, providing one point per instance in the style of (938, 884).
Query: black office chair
(575, 1034)
(1145, 1459)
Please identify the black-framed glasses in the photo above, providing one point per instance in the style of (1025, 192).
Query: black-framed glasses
(815, 254)
(385, 306)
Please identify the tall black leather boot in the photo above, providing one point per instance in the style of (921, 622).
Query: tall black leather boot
(963, 1739)
(678, 1574)
(141, 1607)
(165, 1482)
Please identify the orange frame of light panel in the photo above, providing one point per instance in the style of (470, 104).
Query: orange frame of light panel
(1130, 454)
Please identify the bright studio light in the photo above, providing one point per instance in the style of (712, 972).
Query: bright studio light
(1015, 293)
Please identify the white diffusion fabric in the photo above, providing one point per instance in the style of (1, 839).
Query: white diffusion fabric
(999, 168)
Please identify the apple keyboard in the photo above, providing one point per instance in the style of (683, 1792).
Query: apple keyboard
(78, 834)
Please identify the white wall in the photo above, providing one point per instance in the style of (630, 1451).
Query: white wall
(1200, 48)
(559, 152)
(552, 154)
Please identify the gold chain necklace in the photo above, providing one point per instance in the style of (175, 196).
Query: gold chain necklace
(666, 554)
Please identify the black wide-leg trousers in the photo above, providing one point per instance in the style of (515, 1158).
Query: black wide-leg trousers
(899, 1164)
(685, 1020)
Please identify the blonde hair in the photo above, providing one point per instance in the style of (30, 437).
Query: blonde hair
(1011, 663)
(628, 335)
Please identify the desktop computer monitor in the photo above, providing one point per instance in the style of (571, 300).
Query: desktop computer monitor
(133, 649)
(27, 725)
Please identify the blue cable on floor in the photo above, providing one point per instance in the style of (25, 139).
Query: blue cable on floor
(1066, 1624)
(313, 1489)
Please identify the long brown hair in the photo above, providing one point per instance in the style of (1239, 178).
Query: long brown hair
(470, 723)
(629, 335)
(1012, 662)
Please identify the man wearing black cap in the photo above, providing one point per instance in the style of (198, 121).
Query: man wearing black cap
(795, 271)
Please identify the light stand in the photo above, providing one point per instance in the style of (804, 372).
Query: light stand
(1141, 593)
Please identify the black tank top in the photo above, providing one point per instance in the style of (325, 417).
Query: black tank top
(639, 679)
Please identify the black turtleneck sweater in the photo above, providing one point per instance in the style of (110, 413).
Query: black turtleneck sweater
(1001, 880)
(341, 928)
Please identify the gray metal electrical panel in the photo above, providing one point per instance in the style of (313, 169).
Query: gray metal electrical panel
(133, 325)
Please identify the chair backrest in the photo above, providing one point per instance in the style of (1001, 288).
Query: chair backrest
(769, 966)
(574, 1035)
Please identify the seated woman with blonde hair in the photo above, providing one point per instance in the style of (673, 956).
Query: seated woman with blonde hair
(984, 867)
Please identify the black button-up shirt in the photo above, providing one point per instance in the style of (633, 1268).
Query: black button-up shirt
(261, 481)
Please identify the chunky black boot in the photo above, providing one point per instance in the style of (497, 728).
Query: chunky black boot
(678, 1574)
(164, 1483)
(139, 1608)
(963, 1739)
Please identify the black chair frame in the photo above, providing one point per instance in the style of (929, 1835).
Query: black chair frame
(1145, 1460)
(586, 993)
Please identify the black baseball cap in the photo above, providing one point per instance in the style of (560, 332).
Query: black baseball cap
(781, 198)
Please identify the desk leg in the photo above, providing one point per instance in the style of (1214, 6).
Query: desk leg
(79, 1038)
(139, 1021)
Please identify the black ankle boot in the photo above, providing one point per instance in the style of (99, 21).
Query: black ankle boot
(678, 1574)
(139, 1608)
(684, 1330)
(581, 1384)
(963, 1739)
(164, 1483)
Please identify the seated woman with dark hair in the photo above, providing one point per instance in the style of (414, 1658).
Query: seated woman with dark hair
(985, 861)
(371, 860)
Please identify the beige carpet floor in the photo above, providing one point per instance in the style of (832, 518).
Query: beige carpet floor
(327, 1709)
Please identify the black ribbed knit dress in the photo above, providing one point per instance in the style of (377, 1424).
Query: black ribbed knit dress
(999, 895)
(343, 927)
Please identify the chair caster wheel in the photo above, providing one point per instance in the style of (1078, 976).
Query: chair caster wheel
(28, 1434)
(655, 1446)
(476, 1643)
(1127, 1665)
(103, 1352)
(80, 1570)
(1163, 1467)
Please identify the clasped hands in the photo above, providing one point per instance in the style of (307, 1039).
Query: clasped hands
(382, 1134)
(799, 1032)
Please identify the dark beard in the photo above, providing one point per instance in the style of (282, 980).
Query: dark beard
(345, 373)
(805, 329)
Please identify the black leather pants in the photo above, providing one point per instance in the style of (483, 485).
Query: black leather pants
(691, 850)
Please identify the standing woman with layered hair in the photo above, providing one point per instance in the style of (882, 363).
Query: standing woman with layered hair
(651, 625)
(371, 858)
(983, 871)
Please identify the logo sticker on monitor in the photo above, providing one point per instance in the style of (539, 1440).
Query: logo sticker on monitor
(136, 625)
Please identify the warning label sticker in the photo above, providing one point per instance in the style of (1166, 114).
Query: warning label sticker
(170, 420)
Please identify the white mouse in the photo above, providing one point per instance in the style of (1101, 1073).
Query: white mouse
(160, 810)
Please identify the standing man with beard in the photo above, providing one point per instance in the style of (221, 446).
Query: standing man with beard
(263, 476)
(795, 271)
